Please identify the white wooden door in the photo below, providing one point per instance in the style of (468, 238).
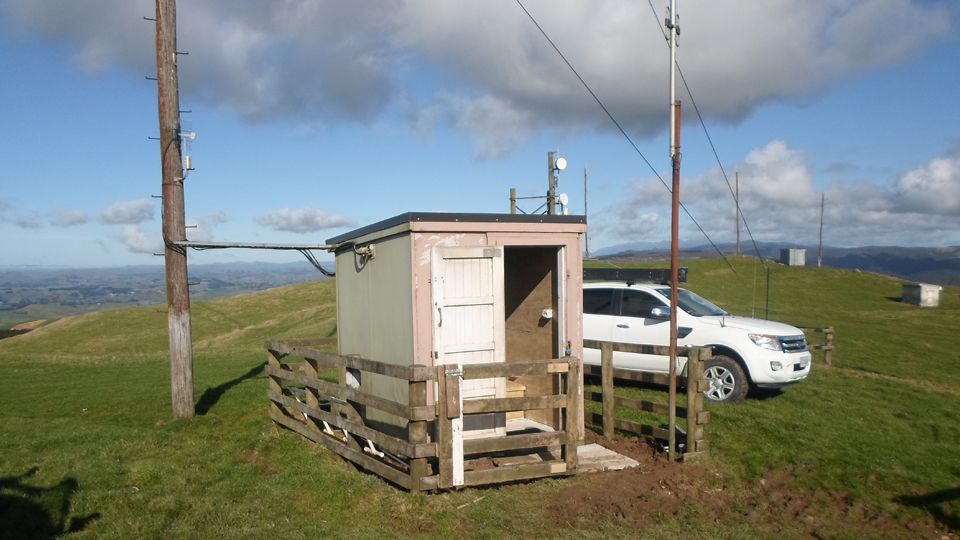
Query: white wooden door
(469, 322)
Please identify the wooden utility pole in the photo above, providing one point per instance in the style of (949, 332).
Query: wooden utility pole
(823, 197)
(674, 135)
(736, 201)
(174, 230)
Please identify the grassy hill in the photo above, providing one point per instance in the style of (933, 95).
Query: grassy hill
(87, 440)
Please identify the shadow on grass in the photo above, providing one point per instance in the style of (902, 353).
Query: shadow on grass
(933, 503)
(897, 299)
(38, 512)
(761, 394)
(212, 395)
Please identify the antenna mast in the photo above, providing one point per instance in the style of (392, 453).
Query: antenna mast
(586, 234)
(672, 23)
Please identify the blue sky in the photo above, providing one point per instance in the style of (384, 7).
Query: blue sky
(315, 117)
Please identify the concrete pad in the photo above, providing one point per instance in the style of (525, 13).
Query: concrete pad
(595, 458)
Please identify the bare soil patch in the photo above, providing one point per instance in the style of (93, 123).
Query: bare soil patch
(774, 504)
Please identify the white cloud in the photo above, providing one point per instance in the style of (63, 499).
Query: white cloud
(781, 203)
(138, 241)
(206, 226)
(932, 188)
(69, 218)
(302, 220)
(128, 212)
(319, 61)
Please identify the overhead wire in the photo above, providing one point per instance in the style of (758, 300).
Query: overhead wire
(713, 148)
(620, 128)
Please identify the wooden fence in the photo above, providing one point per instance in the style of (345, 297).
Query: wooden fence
(431, 453)
(695, 384)
(826, 346)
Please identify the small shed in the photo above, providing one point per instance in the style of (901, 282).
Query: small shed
(446, 288)
(793, 256)
(922, 294)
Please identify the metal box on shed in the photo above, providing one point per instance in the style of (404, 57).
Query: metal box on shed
(922, 294)
(443, 288)
(793, 256)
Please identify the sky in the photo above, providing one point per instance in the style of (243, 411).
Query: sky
(314, 117)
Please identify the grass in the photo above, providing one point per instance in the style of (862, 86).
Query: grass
(86, 401)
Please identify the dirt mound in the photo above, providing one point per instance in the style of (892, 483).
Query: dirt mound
(773, 505)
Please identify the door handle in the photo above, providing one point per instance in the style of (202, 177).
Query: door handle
(623, 325)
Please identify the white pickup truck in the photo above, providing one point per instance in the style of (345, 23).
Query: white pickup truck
(746, 352)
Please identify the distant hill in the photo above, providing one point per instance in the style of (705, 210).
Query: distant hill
(940, 265)
(30, 293)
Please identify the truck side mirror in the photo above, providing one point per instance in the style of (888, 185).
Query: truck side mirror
(660, 313)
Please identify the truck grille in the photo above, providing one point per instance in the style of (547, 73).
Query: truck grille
(793, 344)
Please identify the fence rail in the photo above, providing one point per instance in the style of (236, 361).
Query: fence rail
(431, 452)
(826, 346)
(696, 417)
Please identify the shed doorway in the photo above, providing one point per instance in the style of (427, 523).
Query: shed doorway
(533, 310)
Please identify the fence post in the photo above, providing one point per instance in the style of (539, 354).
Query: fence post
(417, 434)
(694, 399)
(273, 361)
(574, 402)
(828, 346)
(606, 376)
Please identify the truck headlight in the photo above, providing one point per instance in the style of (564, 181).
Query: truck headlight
(776, 366)
(766, 341)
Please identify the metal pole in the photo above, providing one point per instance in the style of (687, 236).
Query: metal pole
(823, 197)
(552, 183)
(586, 234)
(766, 309)
(174, 230)
(674, 232)
(513, 200)
(737, 202)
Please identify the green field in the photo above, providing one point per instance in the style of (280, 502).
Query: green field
(87, 440)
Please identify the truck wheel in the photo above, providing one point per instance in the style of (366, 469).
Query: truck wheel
(726, 380)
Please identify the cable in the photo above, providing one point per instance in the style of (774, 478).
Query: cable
(710, 140)
(622, 131)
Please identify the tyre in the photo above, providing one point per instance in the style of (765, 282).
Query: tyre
(726, 381)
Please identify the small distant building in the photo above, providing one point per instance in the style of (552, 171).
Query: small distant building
(793, 257)
(921, 294)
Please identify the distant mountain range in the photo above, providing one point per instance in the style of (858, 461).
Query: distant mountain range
(939, 265)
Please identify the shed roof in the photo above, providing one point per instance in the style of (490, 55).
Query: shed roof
(448, 217)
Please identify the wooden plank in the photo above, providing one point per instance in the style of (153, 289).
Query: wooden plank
(511, 369)
(703, 417)
(637, 404)
(444, 434)
(489, 405)
(378, 467)
(635, 348)
(409, 373)
(452, 397)
(417, 434)
(513, 442)
(512, 473)
(606, 378)
(630, 375)
(430, 483)
(343, 393)
(633, 427)
(382, 440)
